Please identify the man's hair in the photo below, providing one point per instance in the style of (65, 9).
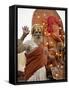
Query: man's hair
(36, 26)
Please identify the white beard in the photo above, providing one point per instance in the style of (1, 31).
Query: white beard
(37, 40)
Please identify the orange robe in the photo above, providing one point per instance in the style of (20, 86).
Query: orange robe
(35, 60)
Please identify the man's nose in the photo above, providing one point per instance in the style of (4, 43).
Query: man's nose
(38, 33)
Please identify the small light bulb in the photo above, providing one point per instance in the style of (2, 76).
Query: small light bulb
(50, 65)
(63, 35)
(47, 43)
(58, 66)
(56, 53)
(60, 27)
(60, 35)
(57, 75)
(61, 66)
(49, 34)
(51, 42)
(38, 16)
(45, 33)
(44, 14)
(60, 54)
(43, 23)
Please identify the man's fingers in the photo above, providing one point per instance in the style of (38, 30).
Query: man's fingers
(25, 28)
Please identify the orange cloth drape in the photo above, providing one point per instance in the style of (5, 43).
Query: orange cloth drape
(35, 60)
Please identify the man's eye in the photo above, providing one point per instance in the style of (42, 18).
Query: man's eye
(36, 32)
(39, 32)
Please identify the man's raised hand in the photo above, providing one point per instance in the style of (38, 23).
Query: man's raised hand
(25, 30)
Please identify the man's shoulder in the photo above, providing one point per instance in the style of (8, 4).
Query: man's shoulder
(27, 42)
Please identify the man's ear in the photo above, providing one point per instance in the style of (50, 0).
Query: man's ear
(32, 31)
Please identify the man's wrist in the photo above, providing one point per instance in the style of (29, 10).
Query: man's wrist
(23, 36)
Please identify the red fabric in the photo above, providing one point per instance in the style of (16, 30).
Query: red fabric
(53, 24)
(51, 21)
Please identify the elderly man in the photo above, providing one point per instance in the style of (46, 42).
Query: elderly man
(36, 54)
